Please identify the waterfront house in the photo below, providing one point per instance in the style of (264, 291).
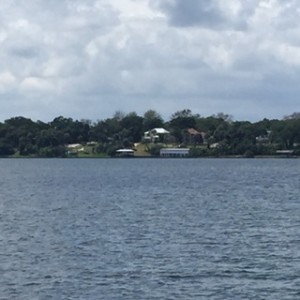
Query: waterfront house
(285, 153)
(174, 152)
(125, 152)
(74, 149)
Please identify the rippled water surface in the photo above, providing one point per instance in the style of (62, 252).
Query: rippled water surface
(149, 229)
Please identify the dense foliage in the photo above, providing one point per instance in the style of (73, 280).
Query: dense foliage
(220, 135)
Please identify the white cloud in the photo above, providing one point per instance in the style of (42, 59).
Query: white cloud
(7, 81)
(36, 84)
(6, 78)
(289, 55)
(134, 9)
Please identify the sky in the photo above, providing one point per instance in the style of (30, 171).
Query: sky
(89, 59)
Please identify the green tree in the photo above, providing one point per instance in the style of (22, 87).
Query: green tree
(152, 119)
(6, 149)
(180, 121)
(134, 126)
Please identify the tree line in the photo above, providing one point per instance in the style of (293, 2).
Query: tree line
(220, 134)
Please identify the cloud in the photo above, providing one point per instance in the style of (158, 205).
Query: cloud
(36, 84)
(89, 59)
(7, 82)
(189, 13)
(207, 13)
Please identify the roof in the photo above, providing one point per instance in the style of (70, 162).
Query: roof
(74, 146)
(285, 151)
(193, 131)
(160, 131)
(125, 151)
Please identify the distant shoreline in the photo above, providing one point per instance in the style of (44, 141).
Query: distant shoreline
(158, 157)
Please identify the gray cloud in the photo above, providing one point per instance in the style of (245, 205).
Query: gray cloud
(207, 13)
(189, 13)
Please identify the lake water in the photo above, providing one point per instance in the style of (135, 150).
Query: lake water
(150, 229)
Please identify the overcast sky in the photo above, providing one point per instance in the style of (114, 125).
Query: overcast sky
(88, 59)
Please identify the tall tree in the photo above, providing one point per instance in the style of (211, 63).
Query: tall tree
(152, 119)
(134, 126)
(180, 121)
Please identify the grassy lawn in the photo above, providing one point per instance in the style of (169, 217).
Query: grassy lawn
(140, 150)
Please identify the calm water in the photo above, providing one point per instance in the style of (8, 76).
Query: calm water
(149, 229)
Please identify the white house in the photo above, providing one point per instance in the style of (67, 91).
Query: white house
(155, 134)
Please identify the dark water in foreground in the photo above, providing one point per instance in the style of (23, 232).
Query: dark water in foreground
(149, 229)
